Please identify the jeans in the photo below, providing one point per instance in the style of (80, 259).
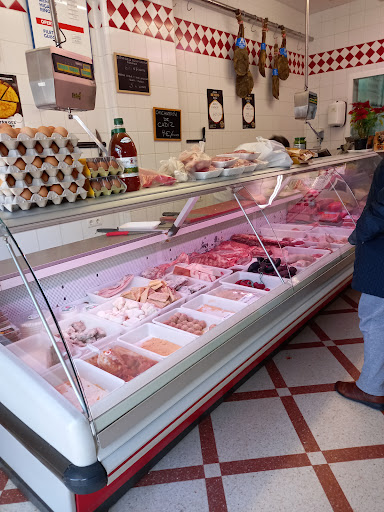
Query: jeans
(371, 314)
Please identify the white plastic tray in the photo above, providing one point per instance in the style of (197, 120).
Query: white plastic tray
(211, 320)
(141, 334)
(225, 164)
(140, 226)
(338, 232)
(106, 381)
(208, 174)
(136, 282)
(244, 156)
(270, 282)
(224, 272)
(233, 171)
(253, 294)
(229, 307)
(304, 250)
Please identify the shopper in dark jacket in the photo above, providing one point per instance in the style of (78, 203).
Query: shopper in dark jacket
(368, 278)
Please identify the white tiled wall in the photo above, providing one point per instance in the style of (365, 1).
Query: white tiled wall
(345, 25)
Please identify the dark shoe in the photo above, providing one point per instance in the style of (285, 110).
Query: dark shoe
(352, 392)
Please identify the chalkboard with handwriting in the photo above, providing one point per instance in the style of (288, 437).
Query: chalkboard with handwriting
(132, 74)
(166, 124)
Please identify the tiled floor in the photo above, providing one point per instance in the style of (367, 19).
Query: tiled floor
(284, 442)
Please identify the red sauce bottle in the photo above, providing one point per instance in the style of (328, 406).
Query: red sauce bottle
(124, 150)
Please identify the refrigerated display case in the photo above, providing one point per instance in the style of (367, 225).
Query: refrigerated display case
(112, 347)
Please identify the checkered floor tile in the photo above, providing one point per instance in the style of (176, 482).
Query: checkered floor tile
(283, 442)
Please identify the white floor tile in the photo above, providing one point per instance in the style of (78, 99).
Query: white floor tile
(186, 453)
(339, 303)
(307, 366)
(305, 336)
(176, 497)
(340, 423)
(261, 380)
(355, 354)
(362, 483)
(285, 490)
(253, 429)
(340, 327)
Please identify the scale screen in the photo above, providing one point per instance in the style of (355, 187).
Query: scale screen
(72, 67)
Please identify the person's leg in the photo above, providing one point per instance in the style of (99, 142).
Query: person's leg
(371, 313)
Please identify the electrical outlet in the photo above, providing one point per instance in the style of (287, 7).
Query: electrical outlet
(93, 223)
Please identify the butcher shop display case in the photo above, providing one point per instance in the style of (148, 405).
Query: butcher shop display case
(111, 347)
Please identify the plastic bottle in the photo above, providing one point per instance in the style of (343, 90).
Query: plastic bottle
(124, 150)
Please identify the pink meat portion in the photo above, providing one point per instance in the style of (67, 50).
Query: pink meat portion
(115, 289)
(225, 255)
(158, 272)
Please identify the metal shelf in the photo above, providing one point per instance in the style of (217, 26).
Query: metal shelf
(52, 215)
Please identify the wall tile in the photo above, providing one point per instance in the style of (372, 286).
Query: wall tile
(48, 237)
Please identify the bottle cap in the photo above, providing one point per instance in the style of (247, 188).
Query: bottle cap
(118, 121)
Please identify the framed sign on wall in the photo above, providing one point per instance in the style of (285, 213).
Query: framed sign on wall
(131, 74)
(166, 124)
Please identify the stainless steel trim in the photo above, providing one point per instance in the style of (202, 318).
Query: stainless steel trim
(55, 23)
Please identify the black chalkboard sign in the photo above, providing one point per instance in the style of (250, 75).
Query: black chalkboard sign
(132, 74)
(166, 124)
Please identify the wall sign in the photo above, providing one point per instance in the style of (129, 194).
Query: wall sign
(248, 109)
(10, 104)
(215, 109)
(132, 74)
(166, 124)
(73, 21)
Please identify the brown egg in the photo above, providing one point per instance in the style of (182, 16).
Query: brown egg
(73, 187)
(21, 149)
(26, 194)
(61, 131)
(103, 164)
(3, 149)
(68, 160)
(39, 148)
(96, 185)
(51, 160)
(37, 162)
(28, 131)
(55, 148)
(70, 147)
(17, 130)
(57, 188)
(20, 164)
(75, 174)
(28, 179)
(44, 130)
(106, 184)
(45, 177)
(60, 175)
(6, 128)
(51, 128)
(114, 164)
(11, 181)
(92, 165)
(116, 182)
(43, 192)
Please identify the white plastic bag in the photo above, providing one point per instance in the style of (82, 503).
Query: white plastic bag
(270, 151)
(173, 167)
(195, 159)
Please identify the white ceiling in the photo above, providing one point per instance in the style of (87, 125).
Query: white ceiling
(315, 5)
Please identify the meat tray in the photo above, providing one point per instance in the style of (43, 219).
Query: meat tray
(208, 174)
(229, 306)
(212, 321)
(250, 297)
(137, 281)
(233, 171)
(270, 282)
(306, 251)
(225, 163)
(141, 334)
(224, 271)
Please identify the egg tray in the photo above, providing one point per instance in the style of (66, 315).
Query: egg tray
(30, 142)
(36, 185)
(104, 191)
(15, 202)
(101, 172)
(36, 172)
(31, 154)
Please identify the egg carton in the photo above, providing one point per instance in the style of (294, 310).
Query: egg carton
(30, 142)
(66, 182)
(104, 191)
(16, 202)
(36, 172)
(14, 155)
(101, 172)
(37, 183)
(62, 154)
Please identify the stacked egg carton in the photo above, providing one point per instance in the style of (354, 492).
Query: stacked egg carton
(103, 174)
(38, 166)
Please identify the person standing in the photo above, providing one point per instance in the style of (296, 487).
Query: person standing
(368, 278)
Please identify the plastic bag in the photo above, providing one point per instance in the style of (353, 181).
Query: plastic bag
(150, 178)
(175, 168)
(195, 159)
(270, 151)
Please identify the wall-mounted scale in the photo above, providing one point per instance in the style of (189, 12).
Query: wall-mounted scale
(62, 80)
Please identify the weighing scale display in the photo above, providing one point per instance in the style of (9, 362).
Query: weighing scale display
(72, 67)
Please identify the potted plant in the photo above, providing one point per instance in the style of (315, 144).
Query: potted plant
(363, 119)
